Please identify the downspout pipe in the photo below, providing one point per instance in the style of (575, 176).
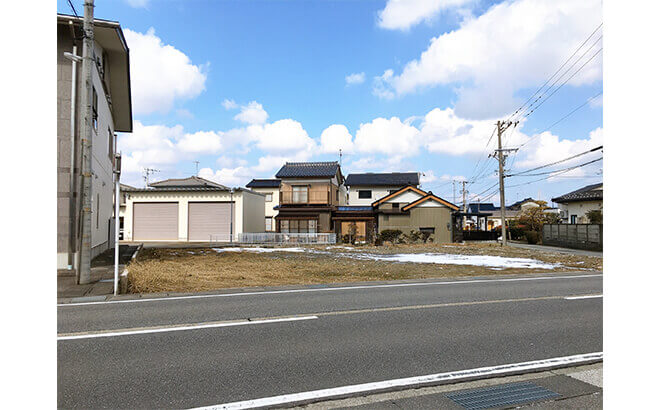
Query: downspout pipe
(73, 56)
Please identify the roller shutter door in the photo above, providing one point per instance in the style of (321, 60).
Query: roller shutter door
(155, 221)
(209, 218)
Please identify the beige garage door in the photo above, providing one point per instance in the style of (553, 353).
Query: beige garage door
(209, 218)
(155, 221)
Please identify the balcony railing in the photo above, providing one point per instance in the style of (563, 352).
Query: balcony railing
(304, 197)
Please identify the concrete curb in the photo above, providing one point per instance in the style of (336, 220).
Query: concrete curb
(123, 277)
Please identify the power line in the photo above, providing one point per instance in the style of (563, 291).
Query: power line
(562, 84)
(564, 169)
(551, 176)
(556, 72)
(73, 8)
(556, 162)
(561, 119)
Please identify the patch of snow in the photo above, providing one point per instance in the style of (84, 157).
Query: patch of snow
(259, 250)
(452, 259)
(350, 248)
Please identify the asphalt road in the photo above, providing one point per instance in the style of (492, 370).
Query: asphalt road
(348, 335)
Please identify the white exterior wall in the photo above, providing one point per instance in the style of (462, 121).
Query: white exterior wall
(580, 209)
(269, 212)
(248, 208)
(377, 192)
(405, 198)
(102, 175)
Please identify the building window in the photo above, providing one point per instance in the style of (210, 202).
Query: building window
(269, 223)
(395, 205)
(111, 144)
(98, 202)
(269, 197)
(298, 226)
(364, 194)
(429, 230)
(300, 194)
(95, 109)
(573, 219)
(337, 192)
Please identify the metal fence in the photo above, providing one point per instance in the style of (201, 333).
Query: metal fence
(577, 236)
(275, 238)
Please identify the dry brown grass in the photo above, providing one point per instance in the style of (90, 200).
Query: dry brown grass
(193, 270)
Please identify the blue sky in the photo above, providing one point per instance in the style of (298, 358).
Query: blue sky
(242, 86)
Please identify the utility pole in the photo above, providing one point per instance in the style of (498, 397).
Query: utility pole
(453, 186)
(501, 157)
(84, 271)
(463, 220)
(147, 172)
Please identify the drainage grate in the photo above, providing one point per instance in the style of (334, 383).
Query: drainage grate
(502, 395)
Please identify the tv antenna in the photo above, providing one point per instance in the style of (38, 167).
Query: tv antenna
(145, 174)
(196, 167)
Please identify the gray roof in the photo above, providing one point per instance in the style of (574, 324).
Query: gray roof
(190, 182)
(308, 169)
(587, 193)
(124, 187)
(264, 183)
(383, 179)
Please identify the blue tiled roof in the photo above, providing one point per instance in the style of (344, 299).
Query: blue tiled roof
(264, 183)
(354, 208)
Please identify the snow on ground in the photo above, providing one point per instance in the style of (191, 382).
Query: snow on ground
(259, 250)
(452, 259)
(494, 262)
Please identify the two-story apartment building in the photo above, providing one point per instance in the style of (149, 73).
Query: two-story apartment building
(270, 188)
(309, 193)
(111, 107)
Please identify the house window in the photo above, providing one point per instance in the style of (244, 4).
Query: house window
(395, 205)
(98, 202)
(364, 194)
(337, 192)
(269, 223)
(111, 143)
(573, 219)
(300, 194)
(298, 226)
(269, 197)
(429, 230)
(95, 109)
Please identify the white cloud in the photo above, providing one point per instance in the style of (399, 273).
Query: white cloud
(547, 148)
(514, 45)
(391, 137)
(252, 113)
(232, 177)
(137, 3)
(160, 74)
(229, 104)
(336, 137)
(403, 14)
(427, 176)
(206, 142)
(284, 136)
(355, 78)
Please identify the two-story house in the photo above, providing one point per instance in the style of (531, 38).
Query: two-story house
(358, 217)
(309, 193)
(111, 110)
(270, 188)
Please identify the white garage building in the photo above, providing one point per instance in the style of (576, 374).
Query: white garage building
(191, 210)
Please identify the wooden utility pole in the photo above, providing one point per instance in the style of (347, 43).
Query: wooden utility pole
(501, 157)
(84, 271)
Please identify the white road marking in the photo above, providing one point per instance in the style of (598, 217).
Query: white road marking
(274, 292)
(583, 297)
(180, 328)
(317, 395)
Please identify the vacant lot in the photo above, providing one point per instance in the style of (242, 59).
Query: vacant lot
(191, 270)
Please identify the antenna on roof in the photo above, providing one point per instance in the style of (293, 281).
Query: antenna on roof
(339, 156)
(196, 167)
(146, 172)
